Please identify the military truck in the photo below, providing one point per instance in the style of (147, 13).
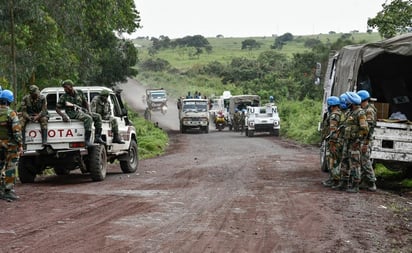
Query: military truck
(66, 149)
(240, 102)
(194, 113)
(384, 70)
(262, 119)
(156, 100)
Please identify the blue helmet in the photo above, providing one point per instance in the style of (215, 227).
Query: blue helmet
(353, 98)
(271, 98)
(333, 100)
(343, 101)
(364, 95)
(7, 95)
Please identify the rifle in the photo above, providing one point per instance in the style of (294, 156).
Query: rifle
(76, 107)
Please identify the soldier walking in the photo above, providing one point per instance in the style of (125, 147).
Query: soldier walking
(10, 146)
(34, 109)
(101, 105)
(71, 101)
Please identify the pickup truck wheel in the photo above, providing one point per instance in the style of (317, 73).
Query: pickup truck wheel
(251, 133)
(26, 170)
(206, 129)
(130, 165)
(276, 132)
(97, 162)
(182, 129)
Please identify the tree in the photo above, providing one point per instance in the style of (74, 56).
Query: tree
(395, 18)
(281, 41)
(250, 44)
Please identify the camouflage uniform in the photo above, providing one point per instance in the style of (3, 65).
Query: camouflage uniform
(356, 131)
(101, 106)
(79, 99)
(34, 108)
(236, 121)
(10, 146)
(333, 146)
(368, 174)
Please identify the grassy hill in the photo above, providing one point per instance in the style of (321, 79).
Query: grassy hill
(224, 49)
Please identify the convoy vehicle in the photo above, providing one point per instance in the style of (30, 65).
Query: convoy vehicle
(262, 119)
(194, 113)
(219, 104)
(240, 102)
(66, 149)
(384, 70)
(156, 100)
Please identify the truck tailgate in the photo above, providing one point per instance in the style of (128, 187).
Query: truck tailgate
(60, 134)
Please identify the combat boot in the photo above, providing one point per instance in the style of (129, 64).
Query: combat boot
(354, 188)
(87, 136)
(372, 187)
(8, 195)
(44, 137)
(328, 183)
(363, 185)
(98, 136)
(116, 138)
(341, 186)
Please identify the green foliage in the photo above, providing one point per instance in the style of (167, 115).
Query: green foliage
(299, 120)
(73, 39)
(152, 141)
(154, 65)
(395, 18)
(250, 44)
(282, 40)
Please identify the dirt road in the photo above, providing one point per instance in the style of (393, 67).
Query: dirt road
(216, 192)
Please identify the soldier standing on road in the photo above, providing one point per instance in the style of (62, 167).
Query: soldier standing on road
(100, 104)
(10, 146)
(34, 108)
(77, 97)
(333, 146)
(356, 131)
(368, 174)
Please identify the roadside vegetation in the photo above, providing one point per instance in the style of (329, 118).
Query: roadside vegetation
(268, 66)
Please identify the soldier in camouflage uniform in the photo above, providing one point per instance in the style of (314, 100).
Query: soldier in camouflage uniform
(10, 146)
(101, 105)
(368, 174)
(75, 104)
(356, 131)
(333, 146)
(34, 108)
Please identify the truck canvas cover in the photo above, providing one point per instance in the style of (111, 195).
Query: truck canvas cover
(383, 68)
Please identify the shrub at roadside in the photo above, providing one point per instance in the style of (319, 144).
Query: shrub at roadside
(152, 140)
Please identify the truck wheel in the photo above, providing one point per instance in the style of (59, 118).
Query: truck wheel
(250, 133)
(27, 171)
(207, 129)
(182, 129)
(130, 165)
(97, 162)
(276, 132)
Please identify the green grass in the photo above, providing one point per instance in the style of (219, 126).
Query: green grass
(225, 49)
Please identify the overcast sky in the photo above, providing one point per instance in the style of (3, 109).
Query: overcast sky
(246, 18)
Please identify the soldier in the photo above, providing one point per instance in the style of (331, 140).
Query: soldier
(356, 131)
(34, 108)
(333, 146)
(10, 146)
(236, 120)
(101, 105)
(71, 101)
(367, 172)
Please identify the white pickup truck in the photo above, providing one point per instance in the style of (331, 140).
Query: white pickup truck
(262, 119)
(66, 150)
